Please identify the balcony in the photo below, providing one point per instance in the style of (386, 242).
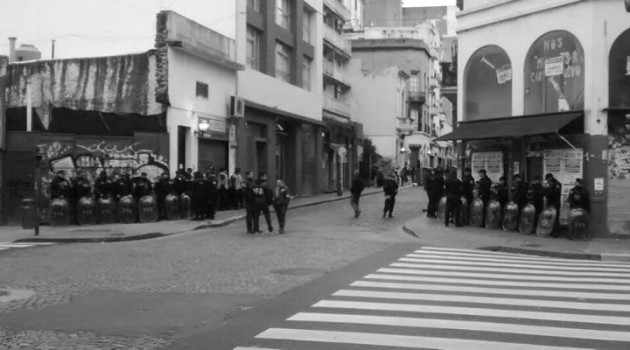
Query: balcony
(337, 40)
(416, 97)
(338, 7)
(333, 71)
(336, 106)
(434, 83)
(405, 126)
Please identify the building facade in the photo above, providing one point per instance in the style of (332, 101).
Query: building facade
(281, 133)
(557, 100)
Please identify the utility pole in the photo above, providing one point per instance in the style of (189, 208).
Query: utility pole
(53, 49)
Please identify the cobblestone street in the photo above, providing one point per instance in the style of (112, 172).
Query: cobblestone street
(223, 270)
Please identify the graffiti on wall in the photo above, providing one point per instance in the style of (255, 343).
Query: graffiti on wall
(619, 153)
(113, 156)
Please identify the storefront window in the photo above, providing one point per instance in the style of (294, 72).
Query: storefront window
(619, 72)
(488, 84)
(554, 74)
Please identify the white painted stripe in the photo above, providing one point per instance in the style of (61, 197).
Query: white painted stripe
(500, 277)
(403, 341)
(532, 262)
(510, 264)
(472, 254)
(471, 311)
(530, 271)
(479, 282)
(536, 303)
(1, 248)
(25, 243)
(251, 348)
(501, 291)
(16, 245)
(574, 333)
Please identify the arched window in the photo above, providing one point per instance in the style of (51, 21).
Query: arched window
(488, 84)
(554, 74)
(619, 72)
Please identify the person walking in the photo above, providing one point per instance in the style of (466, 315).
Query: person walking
(453, 189)
(552, 192)
(355, 191)
(263, 197)
(248, 200)
(281, 199)
(390, 187)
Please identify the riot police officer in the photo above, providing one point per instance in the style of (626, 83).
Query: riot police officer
(468, 182)
(103, 185)
(453, 189)
(578, 197)
(552, 192)
(162, 188)
(519, 192)
(434, 188)
(143, 186)
(82, 186)
(484, 184)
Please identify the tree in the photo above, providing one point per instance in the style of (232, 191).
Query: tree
(369, 160)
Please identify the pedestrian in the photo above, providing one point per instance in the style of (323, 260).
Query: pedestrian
(235, 191)
(390, 187)
(263, 197)
(222, 186)
(468, 182)
(281, 199)
(453, 189)
(355, 193)
(198, 196)
(484, 184)
(211, 191)
(552, 192)
(248, 200)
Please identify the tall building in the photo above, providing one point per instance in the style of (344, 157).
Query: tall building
(556, 100)
(281, 133)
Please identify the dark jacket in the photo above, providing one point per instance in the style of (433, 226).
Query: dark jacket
(536, 193)
(435, 185)
(502, 194)
(122, 187)
(484, 185)
(390, 187)
(82, 187)
(263, 195)
(142, 188)
(60, 188)
(281, 195)
(552, 191)
(248, 192)
(103, 187)
(519, 194)
(453, 188)
(357, 186)
(163, 188)
(469, 184)
(579, 198)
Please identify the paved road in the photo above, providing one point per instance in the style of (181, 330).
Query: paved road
(149, 294)
(442, 298)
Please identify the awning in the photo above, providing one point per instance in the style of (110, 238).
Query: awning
(511, 126)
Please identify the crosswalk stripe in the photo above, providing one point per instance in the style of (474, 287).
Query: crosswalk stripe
(574, 333)
(489, 300)
(509, 264)
(531, 271)
(251, 348)
(403, 341)
(471, 311)
(475, 254)
(528, 261)
(495, 276)
(486, 290)
(526, 284)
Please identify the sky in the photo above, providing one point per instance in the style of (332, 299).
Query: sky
(83, 28)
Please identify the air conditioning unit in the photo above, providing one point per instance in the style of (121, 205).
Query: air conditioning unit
(237, 107)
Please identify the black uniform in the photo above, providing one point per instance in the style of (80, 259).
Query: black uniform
(468, 183)
(82, 187)
(248, 202)
(579, 198)
(435, 190)
(552, 192)
(484, 184)
(519, 194)
(537, 196)
(263, 197)
(60, 187)
(103, 186)
(211, 196)
(390, 187)
(162, 189)
(142, 187)
(198, 197)
(281, 200)
(122, 187)
(179, 184)
(502, 194)
(454, 190)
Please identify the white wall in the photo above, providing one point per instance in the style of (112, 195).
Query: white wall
(596, 23)
(184, 71)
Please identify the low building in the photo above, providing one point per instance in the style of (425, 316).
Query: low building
(557, 100)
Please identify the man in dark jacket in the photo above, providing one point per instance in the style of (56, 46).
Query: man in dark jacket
(537, 194)
(281, 200)
(60, 187)
(502, 192)
(519, 192)
(435, 190)
(355, 191)
(390, 187)
(82, 186)
(263, 197)
(143, 186)
(454, 189)
(248, 200)
(578, 197)
(162, 188)
(552, 192)
(468, 181)
(198, 196)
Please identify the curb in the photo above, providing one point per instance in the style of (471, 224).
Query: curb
(410, 231)
(143, 236)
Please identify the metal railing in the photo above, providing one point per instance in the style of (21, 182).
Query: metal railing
(336, 106)
(338, 7)
(337, 39)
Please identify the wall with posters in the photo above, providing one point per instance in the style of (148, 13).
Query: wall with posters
(566, 165)
(492, 162)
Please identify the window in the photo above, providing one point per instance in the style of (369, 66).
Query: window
(414, 81)
(253, 5)
(306, 73)
(306, 26)
(202, 90)
(283, 13)
(283, 62)
(253, 48)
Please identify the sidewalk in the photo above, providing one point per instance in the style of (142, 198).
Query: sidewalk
(131, 232)
(432, 232)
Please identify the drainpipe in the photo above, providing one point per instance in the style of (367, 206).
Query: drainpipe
(12, 49)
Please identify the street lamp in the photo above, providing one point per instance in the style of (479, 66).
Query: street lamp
(202, 127)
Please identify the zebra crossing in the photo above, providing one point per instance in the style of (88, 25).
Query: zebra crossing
(13, 245)
(441, 298)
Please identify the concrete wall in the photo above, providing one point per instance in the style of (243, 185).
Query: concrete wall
(383, 13)
(186, 108)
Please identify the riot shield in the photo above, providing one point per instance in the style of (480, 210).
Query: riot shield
(546, 221)
(106, 210)
(527, 219)
(465, 220)
(147, 209)
(510, 217)
(127, 209)
(578, 225)
(476, 213)
(173, 209)
(441, 209)
(59, 212)
(86, 211)
(493, 215)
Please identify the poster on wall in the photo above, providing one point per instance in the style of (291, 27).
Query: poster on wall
(492, 162)
(566, 165)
